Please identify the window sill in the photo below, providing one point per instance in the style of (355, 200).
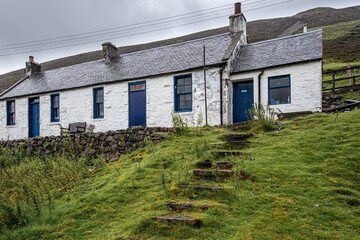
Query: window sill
(11, 126)
(183, 111)
(279, 104)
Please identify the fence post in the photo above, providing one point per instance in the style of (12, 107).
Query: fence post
(333, 81)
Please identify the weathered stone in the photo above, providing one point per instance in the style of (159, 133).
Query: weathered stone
(177, 220)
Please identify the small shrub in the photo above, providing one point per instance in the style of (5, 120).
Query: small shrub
(263, 119)
(180, 126)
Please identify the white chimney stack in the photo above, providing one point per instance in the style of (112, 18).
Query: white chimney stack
(238, 22)
(32, 67)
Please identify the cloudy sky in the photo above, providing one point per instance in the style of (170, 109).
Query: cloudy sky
(50, 29)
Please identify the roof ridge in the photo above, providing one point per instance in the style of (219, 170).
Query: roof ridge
(175, 44)
(286, 37)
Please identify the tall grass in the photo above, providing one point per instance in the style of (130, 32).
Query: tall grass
(29, 183)
(263, 119)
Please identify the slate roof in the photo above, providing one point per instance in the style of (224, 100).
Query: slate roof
(156, 61)
(280, 51)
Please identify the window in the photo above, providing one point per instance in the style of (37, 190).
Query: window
(279, 90)
(183, 93)
(99, 102)
(55, 108)
(10, 110)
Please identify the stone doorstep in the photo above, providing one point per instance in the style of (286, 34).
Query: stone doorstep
(175, 206)
(220, 173)
(238, 136)
(201, 187)
(178, 220)
(224, 153)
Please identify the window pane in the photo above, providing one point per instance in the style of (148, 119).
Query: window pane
(188, 97)
(180, 82)
(181, 89)
(285, 95)
(188, 88)
(188, 81)
(181, 105)
(12, 107)
(188, 104)
(274, 96)
(284, 81)
(12, 118)
(276, 82)
(182, 98)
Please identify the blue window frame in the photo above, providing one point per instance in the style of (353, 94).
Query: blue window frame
(183, 93)
(279, 90)
(98, 102)
(55, 107)
(10, 112)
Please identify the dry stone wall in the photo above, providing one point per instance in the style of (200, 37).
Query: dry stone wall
(111, 143)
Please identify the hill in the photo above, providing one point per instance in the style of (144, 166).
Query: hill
(342, 48)
(301, 183)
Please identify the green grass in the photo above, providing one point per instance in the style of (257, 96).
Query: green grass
(303, 183)
(338, 30)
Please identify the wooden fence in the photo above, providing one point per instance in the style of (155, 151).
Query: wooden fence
(330, 85)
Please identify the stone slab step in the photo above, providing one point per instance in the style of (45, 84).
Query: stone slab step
(204, 165)
(225, 165)
(211, 173)
(227, 153)
(201, 187)
(237, 126)
(182, 206)
(178, 220)
(242, 142)
(237, 137)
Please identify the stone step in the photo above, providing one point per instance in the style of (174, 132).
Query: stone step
(227, 153)
(204, 165)
(182, 206)
(237, 126)
(225, 165)
(178, 220)
(237, 137)
(201, 187)
(241, 143)
(212, 173)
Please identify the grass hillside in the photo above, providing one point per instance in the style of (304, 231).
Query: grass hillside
(341, 34)
(301, 183)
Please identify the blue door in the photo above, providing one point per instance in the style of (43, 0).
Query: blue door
(137, 104)
(243, 99)
(34, 117)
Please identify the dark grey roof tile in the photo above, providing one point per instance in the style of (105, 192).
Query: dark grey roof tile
(279, 51)
(156, 61)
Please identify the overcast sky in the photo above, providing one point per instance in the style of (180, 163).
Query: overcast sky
(27, 22)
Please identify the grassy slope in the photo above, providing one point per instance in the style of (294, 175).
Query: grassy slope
(311, 163)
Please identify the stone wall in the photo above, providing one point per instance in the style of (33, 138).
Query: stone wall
(111, 143)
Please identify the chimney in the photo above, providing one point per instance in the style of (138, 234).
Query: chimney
(32, 67)
(305, 29)
(110, 51)
(238, 22)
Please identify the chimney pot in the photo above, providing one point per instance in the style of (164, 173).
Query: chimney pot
(110, 51)
(237, 8)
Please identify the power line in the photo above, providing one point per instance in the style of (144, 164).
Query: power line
(72, 45)
(73, 37)
(113, 32)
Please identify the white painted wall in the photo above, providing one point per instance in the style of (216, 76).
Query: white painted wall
(77, 106)
(305, 85)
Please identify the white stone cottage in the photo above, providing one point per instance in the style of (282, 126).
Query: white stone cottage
(145, 87)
